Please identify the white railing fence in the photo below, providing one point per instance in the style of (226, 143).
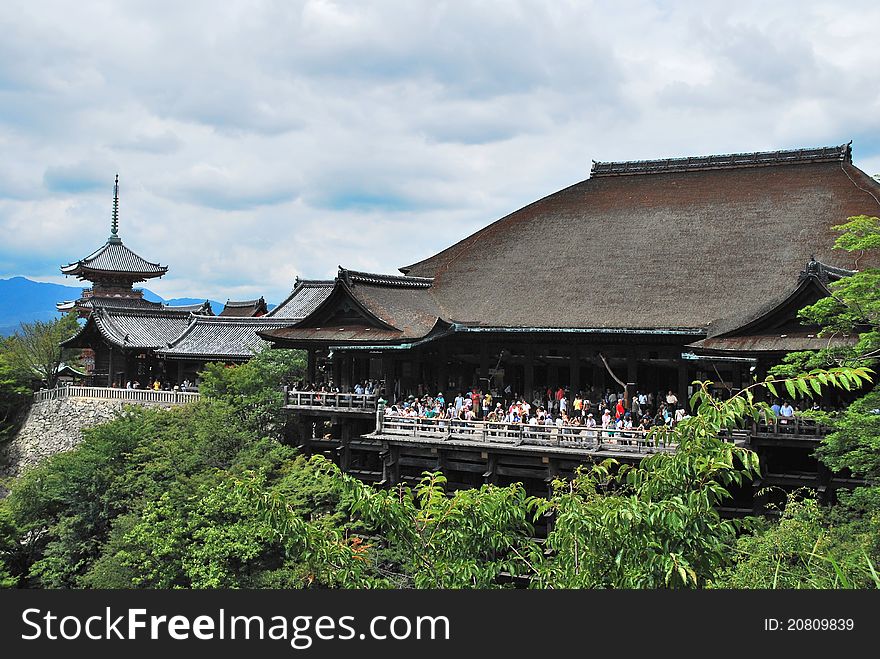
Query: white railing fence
(109, 393)
(517, 434)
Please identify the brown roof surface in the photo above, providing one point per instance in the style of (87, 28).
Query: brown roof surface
(770, 343)
(244, 308)
(677, 249)
(404, 308)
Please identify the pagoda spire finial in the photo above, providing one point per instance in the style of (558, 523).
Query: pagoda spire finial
(114, 222)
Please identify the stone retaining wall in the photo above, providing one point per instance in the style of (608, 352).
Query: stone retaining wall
(54, 426)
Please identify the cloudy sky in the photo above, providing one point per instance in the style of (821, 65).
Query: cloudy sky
(260, 141)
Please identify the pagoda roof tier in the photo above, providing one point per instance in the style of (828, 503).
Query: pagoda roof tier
(221, 338)
(682, 243)
(89, 303)
(114, 258)
(244, 308)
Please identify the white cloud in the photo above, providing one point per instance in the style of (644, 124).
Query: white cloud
(258, 141)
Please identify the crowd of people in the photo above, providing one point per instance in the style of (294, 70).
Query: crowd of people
(548, 407)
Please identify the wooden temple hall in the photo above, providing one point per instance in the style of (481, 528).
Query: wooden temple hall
(648, 275)
(127, 338)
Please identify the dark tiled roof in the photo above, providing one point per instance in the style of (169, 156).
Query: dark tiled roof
(244, 308)
(681, 249)
(203, 308)
(732, 160)
(113, 256)
(137, 328)
(217, 337)
(304, 299)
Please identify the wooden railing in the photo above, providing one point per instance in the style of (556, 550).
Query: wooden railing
(518, 434)
(793, 427)
(126, 395)
(330, 400)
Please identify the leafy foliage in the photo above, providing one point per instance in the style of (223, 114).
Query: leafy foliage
(253, 389)
(33, 351)
(806, 549)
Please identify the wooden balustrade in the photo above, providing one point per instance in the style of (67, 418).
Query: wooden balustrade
(518, 434)
(110, 393)
(330, 400)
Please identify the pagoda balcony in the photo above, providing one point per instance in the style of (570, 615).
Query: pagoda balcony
(330, 402)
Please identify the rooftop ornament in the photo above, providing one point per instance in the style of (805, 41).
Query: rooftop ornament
(114, 222)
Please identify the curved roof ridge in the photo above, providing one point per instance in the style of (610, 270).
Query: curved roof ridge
(842, 153)
(402, 281)
(115, 257)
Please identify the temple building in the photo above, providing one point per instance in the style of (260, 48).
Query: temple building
(646, 276)
(650, 273)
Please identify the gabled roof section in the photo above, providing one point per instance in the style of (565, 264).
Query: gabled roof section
(367, 307)
(775, 327)
(221, 338)
(682, 247)
(134, 328)
(305, 297)
(245, 308)
(842, 153)
(781, 311)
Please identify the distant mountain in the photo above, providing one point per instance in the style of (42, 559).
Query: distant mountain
(23, 300)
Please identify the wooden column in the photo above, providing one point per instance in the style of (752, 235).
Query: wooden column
(311, 366)
(484, 366)
(575, 370)
(682, 385)
(110, 367)
(632, 374)
(443, 370)
(529, 374)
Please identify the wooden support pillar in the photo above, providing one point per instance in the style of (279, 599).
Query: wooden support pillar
(632, 375)
(443, 370)
(110, 368)
(311, 366)
(337, 369)
(345, 372)
(682, 385)
(490, 476)
(529, 374)
(484, 366)
(737, 377)
(575, 370)
(179, 372)
(345, 452)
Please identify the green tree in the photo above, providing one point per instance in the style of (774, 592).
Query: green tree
(253, 389)
(34, 353)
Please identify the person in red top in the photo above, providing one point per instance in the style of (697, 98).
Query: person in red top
(620, 409)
